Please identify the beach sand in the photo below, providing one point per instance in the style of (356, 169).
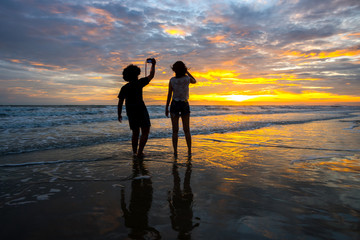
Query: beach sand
(298, 181)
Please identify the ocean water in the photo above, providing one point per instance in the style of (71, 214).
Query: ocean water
(35, 128)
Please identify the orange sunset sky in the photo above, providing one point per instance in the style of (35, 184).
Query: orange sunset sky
(240, 52)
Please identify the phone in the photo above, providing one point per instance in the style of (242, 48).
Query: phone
(149, 60)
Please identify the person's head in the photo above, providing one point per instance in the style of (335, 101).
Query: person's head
(131, 73)
(179, 68)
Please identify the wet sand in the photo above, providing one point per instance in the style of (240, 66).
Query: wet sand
(297, 181)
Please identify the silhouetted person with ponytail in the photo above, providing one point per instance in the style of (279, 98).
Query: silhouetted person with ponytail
(179, 93)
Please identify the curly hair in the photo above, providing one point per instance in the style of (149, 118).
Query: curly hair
(179, 68)
(131, 73)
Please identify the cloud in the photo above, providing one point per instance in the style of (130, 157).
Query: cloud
(233, 48)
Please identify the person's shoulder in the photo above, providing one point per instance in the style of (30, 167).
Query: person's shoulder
(123, 90)
(185, 77)
(143, 81)
(172, 80)
(125, 86)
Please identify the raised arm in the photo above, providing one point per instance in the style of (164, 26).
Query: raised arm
(192, 79)
(168, 100)
(152, 70)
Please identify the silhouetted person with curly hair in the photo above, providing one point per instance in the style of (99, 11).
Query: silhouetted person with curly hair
(136, 110)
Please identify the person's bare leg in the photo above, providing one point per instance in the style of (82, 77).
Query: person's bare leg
(175, 131)
(143, 139)
(186, 126)
(135, 140)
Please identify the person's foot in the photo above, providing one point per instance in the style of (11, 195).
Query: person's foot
(140, 155)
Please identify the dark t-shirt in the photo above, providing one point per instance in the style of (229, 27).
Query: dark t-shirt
(132, 92)
(135, 107)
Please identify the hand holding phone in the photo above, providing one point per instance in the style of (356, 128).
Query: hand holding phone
(151, 60)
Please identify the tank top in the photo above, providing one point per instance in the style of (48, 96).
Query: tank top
(180, 88)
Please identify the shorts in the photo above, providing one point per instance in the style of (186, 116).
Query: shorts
(180, 108)
(138, 117)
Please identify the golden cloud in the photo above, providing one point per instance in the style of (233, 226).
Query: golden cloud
(102, 17)
(175, 31)
(215, 74)
(218, 39)
(353, 51)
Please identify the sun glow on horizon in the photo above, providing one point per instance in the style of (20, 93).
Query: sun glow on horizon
(239, 98)
(221, 98)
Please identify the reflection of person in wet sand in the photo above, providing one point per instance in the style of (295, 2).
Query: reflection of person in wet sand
(136, 216)
(180, 203)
